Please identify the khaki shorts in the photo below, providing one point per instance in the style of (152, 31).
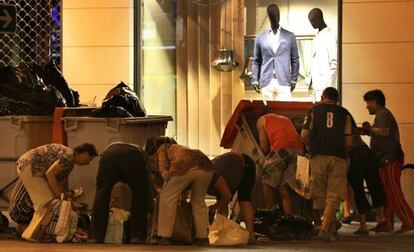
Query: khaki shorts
(328, 182)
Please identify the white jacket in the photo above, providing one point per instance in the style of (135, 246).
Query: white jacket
(324, 60)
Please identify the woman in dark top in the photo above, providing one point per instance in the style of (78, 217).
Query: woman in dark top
(233, 172)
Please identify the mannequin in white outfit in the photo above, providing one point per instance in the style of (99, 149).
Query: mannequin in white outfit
(324, 55)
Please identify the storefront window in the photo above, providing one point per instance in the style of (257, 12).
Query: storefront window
(315, 66)
(158, 59)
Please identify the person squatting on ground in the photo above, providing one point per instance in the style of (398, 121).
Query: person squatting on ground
(385, 142)
(175, 168)
(364, 165)
(233, 172)
(281, 143)
(43, 175)
(326, 132)
(122, 162)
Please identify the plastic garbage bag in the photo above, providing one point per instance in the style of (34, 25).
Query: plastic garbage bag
(279, 227)
(22, 92)
(225, 232)
(264, 219)
(121, 101)
(52, 76)
(291, 228)
(115, 229)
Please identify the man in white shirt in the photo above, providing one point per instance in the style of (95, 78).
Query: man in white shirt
(275, 65)
(324, 55)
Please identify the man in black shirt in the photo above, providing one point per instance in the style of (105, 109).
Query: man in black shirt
(326, 133)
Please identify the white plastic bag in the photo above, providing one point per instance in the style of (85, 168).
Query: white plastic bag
(62, 225)
(302, 184)
(115, 228)
(225, 232)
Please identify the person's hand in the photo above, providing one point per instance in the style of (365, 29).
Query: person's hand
(256, 87)
(367, 127)
(361, 131)
(292, 86)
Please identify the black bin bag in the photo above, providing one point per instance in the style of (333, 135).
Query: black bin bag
(121, 101)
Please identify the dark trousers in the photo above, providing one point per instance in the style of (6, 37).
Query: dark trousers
(365, 166)
(121, 163)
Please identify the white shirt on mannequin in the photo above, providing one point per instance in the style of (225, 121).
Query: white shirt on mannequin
(275, 39)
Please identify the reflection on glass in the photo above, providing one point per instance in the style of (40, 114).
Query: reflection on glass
(294, 18)
(159, 59)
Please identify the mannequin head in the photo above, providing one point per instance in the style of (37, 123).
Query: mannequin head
(274, 16)
(316, 18)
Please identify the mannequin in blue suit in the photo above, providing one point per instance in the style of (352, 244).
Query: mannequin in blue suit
(275, 64)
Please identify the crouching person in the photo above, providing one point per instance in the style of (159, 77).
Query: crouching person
(122, 162)
(234, 172)
(43, 175)
(174, 168)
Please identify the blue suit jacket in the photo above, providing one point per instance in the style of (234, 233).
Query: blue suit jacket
(285, 62)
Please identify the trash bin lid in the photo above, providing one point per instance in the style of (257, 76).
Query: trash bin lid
(257, 106)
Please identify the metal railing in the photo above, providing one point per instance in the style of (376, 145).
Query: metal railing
(38, 33)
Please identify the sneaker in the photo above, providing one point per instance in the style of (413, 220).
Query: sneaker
(252, 241)
(361, 231)
(164, 241)
(381, 227)
(202, 242)
(346, 220)
(403, 229)
(327, 237)
(137, 241)
(93, 240)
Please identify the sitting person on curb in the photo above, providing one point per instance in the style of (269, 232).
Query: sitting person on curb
(281, 143)
(174, 168)
(233, 172)
(43, 175)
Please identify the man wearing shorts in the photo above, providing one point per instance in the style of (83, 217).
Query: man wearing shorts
(326, 133)
(281, 144)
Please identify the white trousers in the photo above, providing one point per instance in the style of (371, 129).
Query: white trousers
(276, 92)
(198, 180)
(38, 188)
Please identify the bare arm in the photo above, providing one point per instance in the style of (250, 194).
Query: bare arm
(263, 138)
(375, 131)
(57, 186)
(305, 136)
(379, 132)
(225, 196)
